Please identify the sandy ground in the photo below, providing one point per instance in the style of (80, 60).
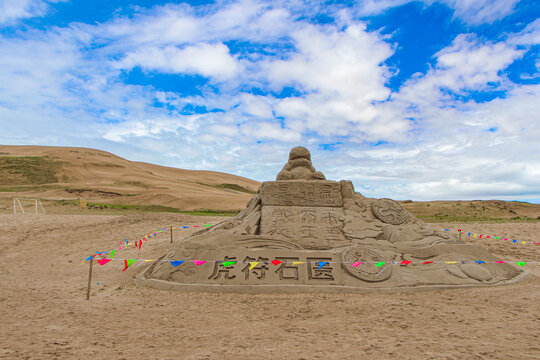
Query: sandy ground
(44, 314)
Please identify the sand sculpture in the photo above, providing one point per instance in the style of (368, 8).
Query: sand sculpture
(303, 233)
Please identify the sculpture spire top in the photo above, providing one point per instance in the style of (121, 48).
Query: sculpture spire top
(299, 166)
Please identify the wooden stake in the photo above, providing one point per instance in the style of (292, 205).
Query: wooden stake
(171, 234)
(89, 278)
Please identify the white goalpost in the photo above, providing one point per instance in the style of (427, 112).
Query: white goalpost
(17, 204)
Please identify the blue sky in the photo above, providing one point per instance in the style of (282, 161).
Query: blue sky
(421, 100)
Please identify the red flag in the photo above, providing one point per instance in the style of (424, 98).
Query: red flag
(276, 262)
(427, 262)
(406, 262)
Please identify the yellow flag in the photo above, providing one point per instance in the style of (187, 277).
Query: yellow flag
(253, 264)
(474, 235)
(450, 262)
(298, 262)
(148, 260)
(523, 242)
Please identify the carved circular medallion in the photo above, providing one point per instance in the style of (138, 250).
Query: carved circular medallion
(389, 211)
(368, 271)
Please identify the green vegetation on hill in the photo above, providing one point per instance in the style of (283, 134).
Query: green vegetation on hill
(105, 208)
(234, 187)
(24, 170)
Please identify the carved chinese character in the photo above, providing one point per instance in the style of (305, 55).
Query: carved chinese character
(327, 197)
(283, 215)
(279, 229)
(258, 269)
(309, 216)
(221, 269)
(286, 270)
(330, 218)
(333, 233)
(320, 269)
(307, 232)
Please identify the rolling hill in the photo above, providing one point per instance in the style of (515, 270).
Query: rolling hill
(67, 173)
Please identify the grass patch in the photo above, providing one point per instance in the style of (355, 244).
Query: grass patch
(234, 187)
(26, 170)
(159, 208)
(109, 165)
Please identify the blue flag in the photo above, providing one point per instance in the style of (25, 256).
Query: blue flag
(322, 263)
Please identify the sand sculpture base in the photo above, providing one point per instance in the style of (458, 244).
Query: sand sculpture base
(303, 234)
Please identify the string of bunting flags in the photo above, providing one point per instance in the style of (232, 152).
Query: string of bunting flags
(480, 236)
(319, 264)
(138, 243)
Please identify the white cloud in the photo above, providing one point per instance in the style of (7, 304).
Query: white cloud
(14, 10)
(528, 36)
(476, 12)
(342, 76)
(63, 86)
(209, 60)
(466, 65)
(472, 12)
(181, 24)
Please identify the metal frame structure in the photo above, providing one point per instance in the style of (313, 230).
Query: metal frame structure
(17, 201)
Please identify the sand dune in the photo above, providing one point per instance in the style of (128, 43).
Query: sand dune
(71, 173)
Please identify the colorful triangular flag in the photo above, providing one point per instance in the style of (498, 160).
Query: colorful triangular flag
(127, 263)
(228, 263)
(175, 263)
(406, 262)
(103, 261)
(199, 262)
(276, 262)
(321, 264)
(252, 264)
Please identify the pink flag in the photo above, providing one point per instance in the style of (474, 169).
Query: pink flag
(198, 262)
(356, 264)
(103, 261)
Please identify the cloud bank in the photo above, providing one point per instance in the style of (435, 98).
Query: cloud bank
(234, 85)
